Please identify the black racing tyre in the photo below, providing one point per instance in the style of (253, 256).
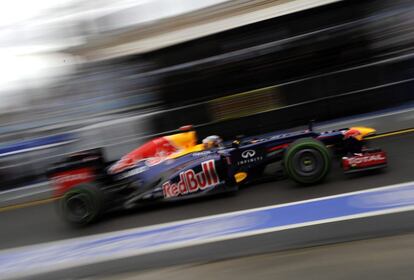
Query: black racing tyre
(307, 161)
(82, 205)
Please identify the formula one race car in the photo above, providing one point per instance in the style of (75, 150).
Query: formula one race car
(175, 167)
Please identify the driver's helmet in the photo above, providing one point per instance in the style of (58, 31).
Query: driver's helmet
(212, 141)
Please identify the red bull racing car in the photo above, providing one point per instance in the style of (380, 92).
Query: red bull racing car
(175, 167)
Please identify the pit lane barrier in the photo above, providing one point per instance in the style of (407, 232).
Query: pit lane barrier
(218, 236)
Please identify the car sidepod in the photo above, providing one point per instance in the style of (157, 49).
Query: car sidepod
(201, 176)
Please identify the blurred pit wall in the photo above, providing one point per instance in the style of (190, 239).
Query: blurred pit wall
(286, 49)
(333, 61)
(385, 84)
(340, 59)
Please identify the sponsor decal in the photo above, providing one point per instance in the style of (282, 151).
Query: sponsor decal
(191, 182)
(201, 154)
(133, 172)
(248, 154)
(278, 147)
(123, 164)
(365, 159)
(154, 161)
(250, 160)
(63, 181)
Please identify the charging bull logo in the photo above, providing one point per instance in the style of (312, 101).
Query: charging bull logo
(191, 182)
(352, 133)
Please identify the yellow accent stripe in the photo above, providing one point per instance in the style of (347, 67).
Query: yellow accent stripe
(230, 97)
(390, 134)
(246, 103)
(27, 204)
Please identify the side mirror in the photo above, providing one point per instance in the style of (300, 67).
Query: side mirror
(311, 124)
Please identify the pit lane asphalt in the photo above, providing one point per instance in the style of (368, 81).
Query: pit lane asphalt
(40, 223)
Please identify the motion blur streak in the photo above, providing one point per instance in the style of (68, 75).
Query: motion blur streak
(110, 75)
(27, 204)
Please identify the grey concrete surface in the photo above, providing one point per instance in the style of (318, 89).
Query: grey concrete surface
(384, 122)
(302, 237)
(26, 194)
(382, 258)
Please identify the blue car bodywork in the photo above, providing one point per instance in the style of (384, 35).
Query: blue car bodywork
(87, 182)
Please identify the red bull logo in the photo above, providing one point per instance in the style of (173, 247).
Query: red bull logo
(191, 182)
(352, 133)
(156, 150)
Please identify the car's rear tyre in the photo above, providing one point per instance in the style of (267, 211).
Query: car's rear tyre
(307, 161)
(82, 205)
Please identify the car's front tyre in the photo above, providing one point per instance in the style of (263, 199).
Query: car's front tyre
(307, 161)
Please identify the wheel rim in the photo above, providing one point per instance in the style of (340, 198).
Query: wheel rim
(78, 207)
(307, 162)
